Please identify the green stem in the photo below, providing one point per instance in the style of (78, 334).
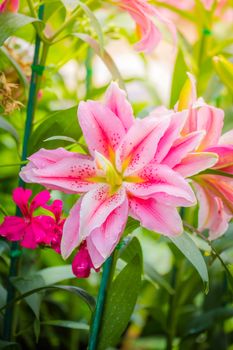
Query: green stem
(108, 270)
(76, 12)
(14, 263)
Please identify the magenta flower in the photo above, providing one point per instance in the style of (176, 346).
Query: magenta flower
(9, 5)
(142, 13)
(32, 230)
(127, 173)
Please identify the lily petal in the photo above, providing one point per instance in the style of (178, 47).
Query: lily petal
(154, 216)
(70, 174)
(177, 121)
(181, 147)
(116, 101)
(96, 206)
(210, 119)
(212, 214)
(102, 129)
(196, 162)
(160, 178)
(227, 138)
(106, 237)
(225, 154)
(71, 236)
(139, 145)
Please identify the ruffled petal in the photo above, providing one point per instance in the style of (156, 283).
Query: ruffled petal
(172, 133)
(156, 216)
(161, 179)
(210, 119)
(182, 147)
(96, 206)
(196, 162)
(71, 234)
(139, 145)
(225, 155)
(106, 237)
(212, 214)
(70, 174)
(116, 101)
(102, 129)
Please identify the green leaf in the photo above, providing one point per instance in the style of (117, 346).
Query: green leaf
(66, 324)
(154, 277)
(207, 320)
(132, 248)
(63, 138)
(11, 22)
(121, 300)
(41, 279)
(63, 123)
(89, 300)
(187, 246)
(105, 57)
(5, 125)
(9, 345)
(179, 78)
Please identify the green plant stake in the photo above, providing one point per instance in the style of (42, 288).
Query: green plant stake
(96, 321)
(15, 251)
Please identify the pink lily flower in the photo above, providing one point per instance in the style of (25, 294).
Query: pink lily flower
(9, 5)
(32, 230)
(123, 175)
(214, 192)
(142, 13)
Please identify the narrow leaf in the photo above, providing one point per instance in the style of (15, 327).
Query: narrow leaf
(11, 22)
(121, 300)
(187, 247)
(105, 57)
(5, 125)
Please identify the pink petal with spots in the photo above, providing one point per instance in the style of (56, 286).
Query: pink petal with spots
(102, 129)
(225, 155)
(106, 237)
(21, 198)
(42, 159)
(160, 178)
(70, 174)
(182, 147)
(156, 216)
(12, 228)
(45, 157)
(96, 206)
(139, 145)
(196, 162)
(116, 101)
(71, 235)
